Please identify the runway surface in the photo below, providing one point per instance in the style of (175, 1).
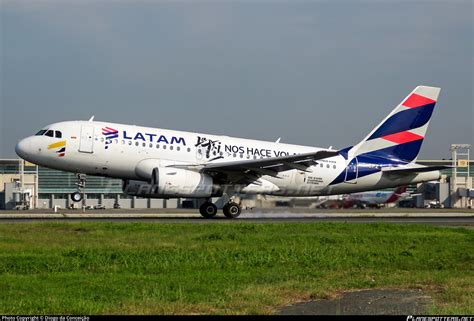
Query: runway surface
(447, 219)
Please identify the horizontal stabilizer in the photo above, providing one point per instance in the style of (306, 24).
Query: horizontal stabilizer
(413, 170)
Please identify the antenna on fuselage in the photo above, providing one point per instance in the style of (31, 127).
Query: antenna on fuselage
(278, 140)
(92, 118)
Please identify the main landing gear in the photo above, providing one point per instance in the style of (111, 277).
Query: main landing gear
(232, 210)
(81, 184)
(209, 209)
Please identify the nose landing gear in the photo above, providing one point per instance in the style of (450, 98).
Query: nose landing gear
(76, 197)
(81, 184)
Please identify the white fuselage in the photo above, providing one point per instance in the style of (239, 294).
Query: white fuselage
(117, 150)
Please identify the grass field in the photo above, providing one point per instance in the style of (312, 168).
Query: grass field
(144, 268)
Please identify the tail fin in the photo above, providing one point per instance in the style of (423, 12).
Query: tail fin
(397, 194)
(400, 190)
(400, 135)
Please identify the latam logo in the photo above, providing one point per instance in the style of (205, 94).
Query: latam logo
(60, 148)
(154, 138)
(109, 134)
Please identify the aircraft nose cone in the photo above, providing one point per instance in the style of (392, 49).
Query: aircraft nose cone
(22, 148)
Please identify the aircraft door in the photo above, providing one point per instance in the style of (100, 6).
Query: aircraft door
(352, 172)
(87, 139)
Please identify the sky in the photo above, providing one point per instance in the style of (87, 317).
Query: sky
(317, 73)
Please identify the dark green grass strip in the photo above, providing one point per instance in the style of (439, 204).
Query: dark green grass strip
(145, 268)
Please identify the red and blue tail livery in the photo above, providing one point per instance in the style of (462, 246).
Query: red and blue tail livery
(400, 135)
(395, 142)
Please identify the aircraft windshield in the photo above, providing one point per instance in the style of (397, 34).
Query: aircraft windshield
(50, 133)
(41, 132)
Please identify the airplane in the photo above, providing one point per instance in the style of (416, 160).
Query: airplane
(162, 163)
(375, 198)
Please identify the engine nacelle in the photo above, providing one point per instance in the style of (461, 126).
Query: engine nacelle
(168, 182)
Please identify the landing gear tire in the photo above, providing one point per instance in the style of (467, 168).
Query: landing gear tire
(76, 197)
(81, 184)
(232, 210)
(208, 210)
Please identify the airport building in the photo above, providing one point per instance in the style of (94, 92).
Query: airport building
(24, 185)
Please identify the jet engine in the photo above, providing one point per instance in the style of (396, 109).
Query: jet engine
(168, 182)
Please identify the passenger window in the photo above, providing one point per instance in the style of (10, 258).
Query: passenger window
(189, 149)
(58, 134)
(178, 148)
(171, 147)
(41, 132)
(50, 133)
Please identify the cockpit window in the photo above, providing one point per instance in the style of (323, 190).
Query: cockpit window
(58, 134)
(41, 132)
(50, 133)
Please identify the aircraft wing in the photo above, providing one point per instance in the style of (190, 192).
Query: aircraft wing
(265, 166)
(277, 164)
